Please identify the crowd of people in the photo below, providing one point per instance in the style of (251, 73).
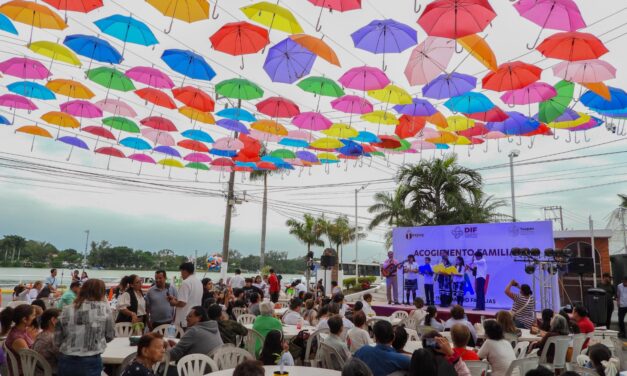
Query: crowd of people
(73, 335)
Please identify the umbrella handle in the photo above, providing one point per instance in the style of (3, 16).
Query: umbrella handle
(555, 136)
(417, 7)
(241, 67)
(460, 50)
(169, 29)
(535, 43)
(569, 139)
(498, 145)
(576, 140)
(214, 14)
(531, 140)
(585, 137)
(519, 141)
(485, 150)
(510, 139)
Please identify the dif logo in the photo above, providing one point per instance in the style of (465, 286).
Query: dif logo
(467, 232)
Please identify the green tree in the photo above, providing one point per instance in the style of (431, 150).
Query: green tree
(309, 231)
(340, 232)
(623, 200)
(263, 176)
(480, 209)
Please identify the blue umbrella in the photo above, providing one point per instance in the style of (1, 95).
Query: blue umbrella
(198, 135)
(252, 165)
(93, 48)
(73, 142)
(189, 64)
(516, 124)
(168, 150)
(294, 142)
(232, 125)
(469, 103)
(307, 156)
(351, 148)
(418, 107)
(236, 114)
(4, 121)
(7, 25)
(365, 136)
(31, 90)
(271, 159)
(618, 100)
(441, 146)
(288, 62)
(135, 143)
(385, 36)
(127, 29)
(223, 153)
(449, 85)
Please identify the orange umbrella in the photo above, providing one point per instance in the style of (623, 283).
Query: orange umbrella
(60, 119)
(33, 14)
(438, 120)
(194, 98)
(195, 115)
(598, 88)
(70, 88)
(156, 97)
(480, 49)
(35, 131)
(443, 138)
(317, 46)
(269, 126)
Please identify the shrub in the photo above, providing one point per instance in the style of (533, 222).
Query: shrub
(349, 282)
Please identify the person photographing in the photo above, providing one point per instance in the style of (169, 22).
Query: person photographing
(523, 309)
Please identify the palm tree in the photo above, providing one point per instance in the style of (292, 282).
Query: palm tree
(480, 209)
(391, 210)
(623, 199)
(340, 232)
(436, 189)
(309, 231)
(256, 176)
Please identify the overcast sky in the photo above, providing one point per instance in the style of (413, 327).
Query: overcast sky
(59, 209)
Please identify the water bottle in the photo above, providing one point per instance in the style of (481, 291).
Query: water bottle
(170, 331)
(299, 324)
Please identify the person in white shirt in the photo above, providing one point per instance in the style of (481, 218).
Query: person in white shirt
(496, 349)
(621, 296)
(427, 273)
(34, 291)
(292, 315)
(366, 300)
(189, 295)
(334, 309)
(410, 270)
(300, 287)
(358, 336)
(458, 317)
(479, 269)
(419, 313)
(237, 281)
(337, 337)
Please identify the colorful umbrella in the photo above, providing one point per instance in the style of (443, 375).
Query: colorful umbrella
(269, 126)
(31, 90)
(127, 29)
(60, 119)
(33, 14)
(238, 88)
(458, 123)
(321, 86)
(583, 71)
(239, 39)
(364, 78)
(551, 14)
(313, 121)
(480, 50)
(24, 68)
(352, 104)
(456, 18)
(516, 124)
(110, 78)
(194, 98)
(55, 51)
(494, 114)
(198, 135)
(317, 46)
(4, 121)
(273, 16)
(82, 109)
(418, 107)
(197, 157)
(534, 93)
(184, 10)
(409, 126)
(98, 132)
(93, 48)
(380, 117)
(195, 115)
(429, 59)
(278, 107)
(17, 102)
(7, 25)
(385, 36)
(111, 152)
(594, 101)
(327, 143)
(159, 123)
(599, 88)
(150, 76)
(236, 114)
(511, 76)
(82, 6)
(339, 130)
(449, 85)
(470, 102)
(135, 143)
(167, 150)
(228, 143)
(116, 107)
(193, 145)
(391, 94)
(232, 125)
(339, 5)
(288, 62)
(189, 64)
(141, 158)
(121, 124)
(70, 88)
(551, 109)
(572, 46)
(156, 97)
(35, 131)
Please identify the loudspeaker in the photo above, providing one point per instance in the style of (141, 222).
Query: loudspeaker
(619, 268)
(327, 261)
(581, 265)
(596, 303)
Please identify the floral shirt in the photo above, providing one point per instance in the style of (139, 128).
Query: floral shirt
(84, 331)
(137, 369)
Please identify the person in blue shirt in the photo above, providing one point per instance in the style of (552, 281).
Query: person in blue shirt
(382, 359)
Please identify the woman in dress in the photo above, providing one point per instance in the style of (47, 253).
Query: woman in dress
(445, 283)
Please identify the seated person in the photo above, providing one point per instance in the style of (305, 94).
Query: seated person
(201, 337)
(460, 336)
(336, 338)
(419, 313)
(253, 308)
(266, 322)
(559, 327)
(400, 339)
(275, 346)
(249, 368)
(382, 359)
(436, 358)
(496, 349)
(458, 316)
(580, 316)
(358, 336)
(229, 329)
(367, 301)
(150, 351)
(432, 320)
(292, 315)
(334, 309)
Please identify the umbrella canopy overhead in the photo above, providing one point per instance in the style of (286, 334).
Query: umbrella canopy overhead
(456, 18)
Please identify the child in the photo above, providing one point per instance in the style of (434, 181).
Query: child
(427, 272)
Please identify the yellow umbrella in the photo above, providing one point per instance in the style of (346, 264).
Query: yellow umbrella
(194, 114)
(461, 140)
(583, 118)
(33, 14)
(55, 51)
(269, 126)
(391, 94)
(171, 163)
(380, 117)
(273, 16)
(480, 49)
(458, 123)
(341, 131)
(326, 143)
(184, 10)
(70, 88)
(443, 138)
(327, 156)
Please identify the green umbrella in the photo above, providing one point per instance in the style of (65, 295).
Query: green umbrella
(556, 106)
(321, 86)
(121, 124)
(239, 88)
(283, 154)
(197, 166)
(377, 154)
(405, 145)
(111, 79)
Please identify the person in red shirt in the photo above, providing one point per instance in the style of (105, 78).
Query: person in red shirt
(580, 315)
(275, 288)
(460, 335)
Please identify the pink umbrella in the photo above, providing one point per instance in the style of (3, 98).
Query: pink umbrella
(228, 143)
(24, 68)
(551, 14)
(313, 121)
(263, 136)
(150, 76)
(197, 157)
(585, 71)
(15, 101)
(494, 135)
(222, 164)
(422, 145)
(158, 137)
(428, 133)
(116, 107)
(82, 109)
(141, 158)
(364, 78)
(534, 93)
(352, 104)
(429, 59)
(301, 135)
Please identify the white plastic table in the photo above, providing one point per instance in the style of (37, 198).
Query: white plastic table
(290, 331)
(118, 349)
(394, 321)
(293, 371)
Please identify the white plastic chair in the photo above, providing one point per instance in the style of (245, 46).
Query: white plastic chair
(329, 358)
(522, 366)
(410, 323)
(166, 364)
(16, 303)
(196, 365)
(561, 345)
(230, 357)
(125, 363)
(246, 318)
(579, 340)
(316, 334)
(521, 349)
(34, 364)
(478, 367)
(238, 311)
(250, 342)
(11, 360)
(123, 329)
(400, 315)
(162, 329)
(511, 338)
(412, 335)
(619, 353)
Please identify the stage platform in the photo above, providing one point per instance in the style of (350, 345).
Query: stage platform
(443, 313)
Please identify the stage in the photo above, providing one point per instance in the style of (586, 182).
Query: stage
(443, 313)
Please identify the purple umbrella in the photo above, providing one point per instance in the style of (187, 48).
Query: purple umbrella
(73, 141)
(385, 36)
(168, 150)
(449, 85)
(232, 125)
(418, 107)
(516, 124)
(568, 115)
(288, 62)
(307, 156)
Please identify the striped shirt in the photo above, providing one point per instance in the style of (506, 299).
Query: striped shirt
(524, 310)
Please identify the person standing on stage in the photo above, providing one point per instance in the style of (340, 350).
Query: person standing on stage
(389, 269)
(411, 278)
(459, 281)
(427, 273)
(445, 283)
(480, 271)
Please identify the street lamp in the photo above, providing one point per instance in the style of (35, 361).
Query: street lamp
(86, 245)
(513, 154)
(357, 190)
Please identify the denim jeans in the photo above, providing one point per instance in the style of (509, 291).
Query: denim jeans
(480, 286)
(80, 365)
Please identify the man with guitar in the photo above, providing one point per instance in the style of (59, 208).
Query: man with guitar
(389, 270)
(479, 271)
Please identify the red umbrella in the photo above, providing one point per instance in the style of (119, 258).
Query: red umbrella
(277, 107)
(409, 126)
(111, 152)
(266, 166)
(99, 131)
(196, 146)
(572, 46)
(194, 98)
(456, 18)
(478, 130)
(339, 5)
(493, 114)
(156, 97)
(250, 151)
(159, 123)
(387, 142)
(239, 39)
(512, 76)
(84, 6)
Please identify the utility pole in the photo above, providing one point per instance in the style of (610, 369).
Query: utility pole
(554, 213)
(86, 245)
(513, 154)
(357, 190)
(594, 256)
(622, 223)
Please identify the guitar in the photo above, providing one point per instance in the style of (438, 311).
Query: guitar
(390, 269)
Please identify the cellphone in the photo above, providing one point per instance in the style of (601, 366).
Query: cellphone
(432, 343)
